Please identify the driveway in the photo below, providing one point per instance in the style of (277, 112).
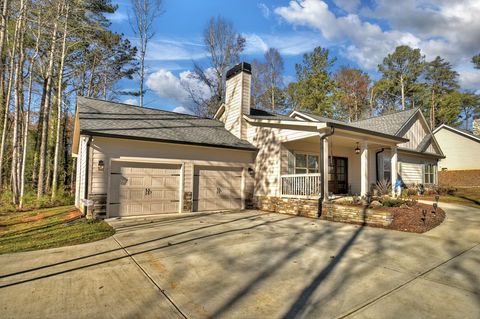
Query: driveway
(251, 265)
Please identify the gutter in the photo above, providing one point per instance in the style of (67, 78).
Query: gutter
(322, 169)
(376, 162)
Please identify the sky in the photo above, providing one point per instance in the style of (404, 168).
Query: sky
(359, 33)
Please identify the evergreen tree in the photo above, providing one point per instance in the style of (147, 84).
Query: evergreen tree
(315, 88)
(402, 68)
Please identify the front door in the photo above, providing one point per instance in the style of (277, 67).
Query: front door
(338, 175)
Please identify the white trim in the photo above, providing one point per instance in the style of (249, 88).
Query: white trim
(221, 108)
(456, 131)
(292, 115)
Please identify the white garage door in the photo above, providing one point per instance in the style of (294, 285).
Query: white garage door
(144, 189)
(217, 188)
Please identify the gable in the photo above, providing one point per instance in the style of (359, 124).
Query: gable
(417, 131)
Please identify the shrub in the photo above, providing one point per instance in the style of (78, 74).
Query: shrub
(383, 187)
(412, 191)
(392, 202)
(446, 190)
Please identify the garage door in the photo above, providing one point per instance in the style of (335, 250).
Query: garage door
(144, 189)
(217, 188)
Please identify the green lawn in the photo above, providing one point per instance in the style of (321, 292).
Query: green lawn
(47, 228)
(463, 196)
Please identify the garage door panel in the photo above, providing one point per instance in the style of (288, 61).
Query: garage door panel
(144, 189)
(217, 188)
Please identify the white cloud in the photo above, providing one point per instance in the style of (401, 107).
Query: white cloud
(175, 50)
(181, 109)
(470, 79)
(287, 43)
(264, 9)
(450, 29)
(167, 85)
(117, 17)
(347, 5)
(131, 101)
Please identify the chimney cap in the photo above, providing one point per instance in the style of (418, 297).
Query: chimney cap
(241, 67)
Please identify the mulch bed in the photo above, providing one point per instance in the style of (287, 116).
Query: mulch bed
(411, 219)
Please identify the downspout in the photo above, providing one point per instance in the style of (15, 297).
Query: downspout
(322, 170)
(87, 160)
(376, 162)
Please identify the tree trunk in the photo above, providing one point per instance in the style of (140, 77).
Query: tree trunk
(46, 107)
(7, 100)
(402, 88)
(432, 111)
(142, 73)
(18, 92)
(27, 114)
(3, 32)
(59, 109)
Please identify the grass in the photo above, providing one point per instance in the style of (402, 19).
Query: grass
(48, 228)
(463, 196)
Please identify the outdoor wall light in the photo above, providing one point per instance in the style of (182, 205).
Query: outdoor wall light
(357, 149)
(101, 166)
(251, 172)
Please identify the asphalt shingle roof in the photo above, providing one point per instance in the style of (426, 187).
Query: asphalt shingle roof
(99, 117)
(387, 124)
(265, 115)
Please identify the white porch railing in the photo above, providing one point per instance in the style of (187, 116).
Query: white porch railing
(300, 185)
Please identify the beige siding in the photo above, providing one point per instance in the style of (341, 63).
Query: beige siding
(461, 153)
(411, 168)
(237, 103)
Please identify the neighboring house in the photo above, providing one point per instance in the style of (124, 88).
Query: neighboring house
(134, 161)
(461, 166)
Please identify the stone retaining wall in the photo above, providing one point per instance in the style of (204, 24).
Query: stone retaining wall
(332, 212)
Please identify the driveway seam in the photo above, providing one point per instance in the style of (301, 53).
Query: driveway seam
(151, 279)
(389, 292)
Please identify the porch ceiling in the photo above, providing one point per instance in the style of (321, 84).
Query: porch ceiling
(346, 141)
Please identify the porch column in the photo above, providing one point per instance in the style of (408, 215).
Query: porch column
(325, 169)
(393, 168)
(363, 168)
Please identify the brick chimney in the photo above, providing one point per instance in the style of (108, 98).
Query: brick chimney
(476, 126)
(237, 98)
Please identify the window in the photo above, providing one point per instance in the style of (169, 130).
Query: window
(306, 163)
(429, 175)
(387, 168)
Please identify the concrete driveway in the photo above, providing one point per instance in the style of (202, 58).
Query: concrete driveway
(251, 265)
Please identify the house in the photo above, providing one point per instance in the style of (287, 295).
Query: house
(137, 161)
(461, 166)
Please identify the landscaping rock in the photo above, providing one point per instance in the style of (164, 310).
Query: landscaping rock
(375, 204)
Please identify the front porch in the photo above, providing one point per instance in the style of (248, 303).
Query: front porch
(351, 165)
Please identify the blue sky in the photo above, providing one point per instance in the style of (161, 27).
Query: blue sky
(358, 33)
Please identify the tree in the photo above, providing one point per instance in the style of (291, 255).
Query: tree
(314, 89)
(402, 67)
(476, 61)
(470, 106)
(145, 12)
(267, 81)
(440, 79)
(223, 45)
(352, 91)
